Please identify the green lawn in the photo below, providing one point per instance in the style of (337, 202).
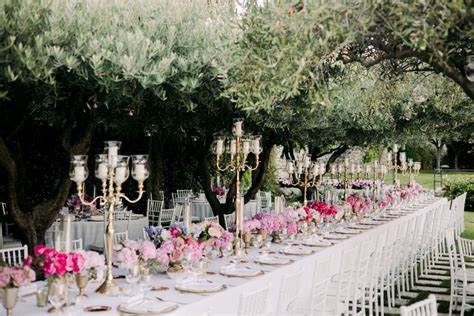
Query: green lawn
(469, 225)
(425, 178)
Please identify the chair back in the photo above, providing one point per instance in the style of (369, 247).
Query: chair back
(13, 256)
(3, 206)
(120, 237)
(426, 307)
(212, 219)
(320, 286)
(229, 220)
(345, 275)
(178, 210)
(77, 244)
(153, 210)
(288, 291)
(166, 217)
(254, 303)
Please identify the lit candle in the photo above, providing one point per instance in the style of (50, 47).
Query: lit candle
(79, 174)
(403, 156)
(119, 177)
(395, 148)
(346, 162)
(112, 153)
(238, 128)
(140, 172)
(233, 147)
(67, 246)
(220, 147)
(246, 147)
(389, 156)
(410, 162)
(315, 170)
(102, 171)
(333, 169)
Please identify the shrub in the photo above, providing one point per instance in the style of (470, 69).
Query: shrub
(459, 185)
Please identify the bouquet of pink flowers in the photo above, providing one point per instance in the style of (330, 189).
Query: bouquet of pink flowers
(54, 263)
(218, 191)
(251, 226)
(323, 209)
(215, 235)
(386, 201)
(89, 262)
(144, 252)
(359, 203)
(16, 276)
(362, 184)
(269, 222)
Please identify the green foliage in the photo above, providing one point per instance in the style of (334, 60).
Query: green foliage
(457, 186)
(370, 155)
(271, 183)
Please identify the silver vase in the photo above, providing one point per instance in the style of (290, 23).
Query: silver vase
(9, 298)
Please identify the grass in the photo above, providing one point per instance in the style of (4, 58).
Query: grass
(469, 225)
(425, 178)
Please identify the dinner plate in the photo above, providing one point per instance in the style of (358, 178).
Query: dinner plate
(147, 308)
(271, 260)
(335, 237)
(200, 287)
(241, 272)
(294, 251)
(348, 231)
(317, 243)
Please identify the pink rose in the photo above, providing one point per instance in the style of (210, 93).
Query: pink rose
(147, 250)
(178, 244)
(18, 277)
(30, 273)
(4, 277)
(132, 244)
(214, 232)
(39, 250)
(176, 255)
(78, 262)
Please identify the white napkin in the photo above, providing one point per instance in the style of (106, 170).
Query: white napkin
(186, 280)
(199, 286)
(261, 255)
(27, 289)
(132, 300)
(228, 267)
(273, 260)
(297, 251)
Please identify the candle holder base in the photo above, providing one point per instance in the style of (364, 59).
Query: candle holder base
(106, 287)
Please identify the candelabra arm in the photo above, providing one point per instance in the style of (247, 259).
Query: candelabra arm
(229, 166)
(81, 197)
(140, 194)
(245, 166)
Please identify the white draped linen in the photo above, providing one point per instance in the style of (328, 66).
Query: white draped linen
(227, 302)
(92, 232)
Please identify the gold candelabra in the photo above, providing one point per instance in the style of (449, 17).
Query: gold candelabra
(113, 170)
(299, 170)
(411, 168)
(239, 148)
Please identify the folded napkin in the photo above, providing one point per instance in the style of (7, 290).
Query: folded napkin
(27, 289)
(132, 300)
(197, 286)
(273, 260)
(186, 280)
(317, 242)
(228, 267)
(147, 307)
(261, 255)
(297, 251)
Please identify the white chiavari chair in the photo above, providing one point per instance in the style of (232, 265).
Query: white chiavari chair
(465, 246)
(212, 219)
(178, 210)
(229, 220)
(14, 256)
(288, 291)
(426, 307)
(120, 237)
(77, 244)
(375, 285)
(153, 210)
(8, 240)
(254, 302)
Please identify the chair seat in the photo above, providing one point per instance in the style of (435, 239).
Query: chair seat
(11, 244)
(460, 275)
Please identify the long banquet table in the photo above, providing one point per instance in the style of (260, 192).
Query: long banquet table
(227, 301)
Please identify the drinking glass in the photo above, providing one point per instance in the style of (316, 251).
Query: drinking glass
(57, 295)
(227, 252)
(132, 277)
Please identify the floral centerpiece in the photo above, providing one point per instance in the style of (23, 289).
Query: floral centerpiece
(175, 245)
(215, 236)
(11, 279)
(291, 217)
(359, 204)
(362, 184)
(75, 206)
(385, 201)
(251, 226)
(144, 254)
(218, 191)
(325, 210)
(269, 223)
(88, 265)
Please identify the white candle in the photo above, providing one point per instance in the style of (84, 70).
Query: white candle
(67, 246)
(316, 169)
(140, 172)
(102, 171)
(346, 162)
(389, 156)
(220, 147)
(395, 148)
(238, 128)
(94, 193)
(256, 146)
(187, 215)
(233, 147)
(246, 147)
(112, 155)
(333, 169)
(119, 177)
(79, 174)
(402, 156)
(218, 181)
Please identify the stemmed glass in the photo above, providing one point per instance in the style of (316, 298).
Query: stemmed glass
(132, 277)
(227, 252)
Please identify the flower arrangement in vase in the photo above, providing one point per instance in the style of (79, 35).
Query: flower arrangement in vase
(360, 204)
(215, 236)
(89, 264)
(11, 279)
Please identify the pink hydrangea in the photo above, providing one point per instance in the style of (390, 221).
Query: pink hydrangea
(126, 258)
(147, 250)
(4, 277)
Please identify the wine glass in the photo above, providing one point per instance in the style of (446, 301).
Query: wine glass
(227, 252)
(132, 277)
(57, 295)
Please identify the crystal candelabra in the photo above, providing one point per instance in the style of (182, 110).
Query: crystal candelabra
(239, 148)
(410, 168)
(113, 170)
(303, 168)
(392, 161)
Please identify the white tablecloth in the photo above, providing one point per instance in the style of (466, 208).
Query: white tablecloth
(202, 209)
(227, 302)
(92, 232)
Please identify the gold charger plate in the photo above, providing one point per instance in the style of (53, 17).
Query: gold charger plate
(281, 263)
(309, 244)
(221, 287)
(283, 251)
(97, 308)
(164, 311)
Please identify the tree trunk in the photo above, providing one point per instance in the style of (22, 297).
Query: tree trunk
(155, 153)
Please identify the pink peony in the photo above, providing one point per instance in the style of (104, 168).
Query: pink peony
(162, 258)
(178, 244)
(4, 277)
(147, 250)
(126, 258)
(18, 277)
(214, 231)
(176, 255)
(78, 262)
(40, 249)
(132, 244)
(292, 228)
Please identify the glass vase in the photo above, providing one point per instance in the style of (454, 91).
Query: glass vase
(9, 298)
